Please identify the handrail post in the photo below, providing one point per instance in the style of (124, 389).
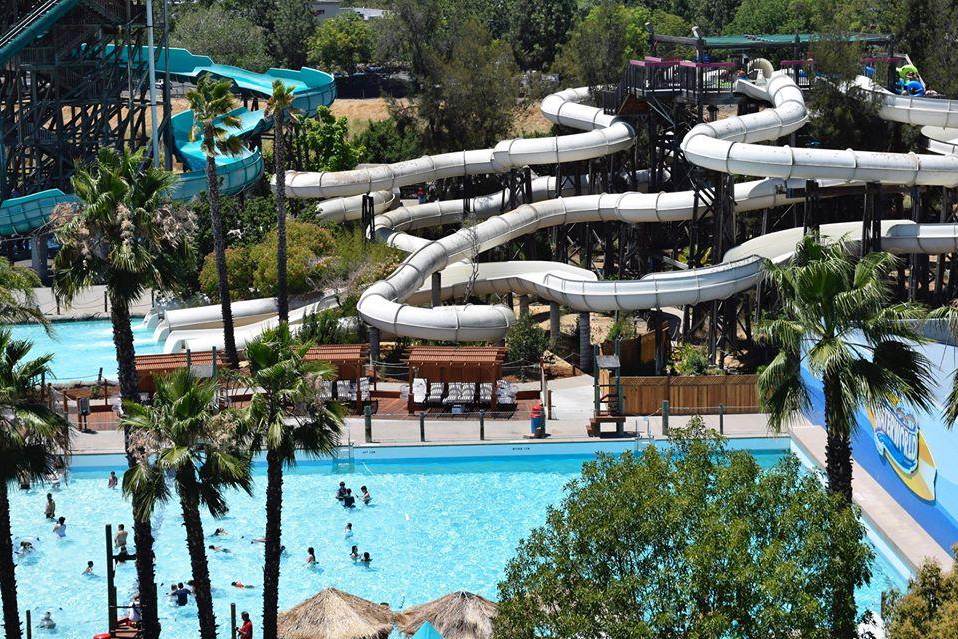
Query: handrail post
(232, 620)
(422, 427)
(665, 417)
(110, 585)
(721, 419)
(368, 420)
(482, 425)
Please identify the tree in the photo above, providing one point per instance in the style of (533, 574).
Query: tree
(221, 34)
(692, 541)
(292, 28)
(537, 28)
(321, 143)
(391, 140)
(31, 438)
(927, 610)
(526, 341)
(18, 301)
(343, 42)
(838, 318)
(181, 435)
(611, 34)
(280, 105)
(286, 416)
(124, 236)
(212, 103)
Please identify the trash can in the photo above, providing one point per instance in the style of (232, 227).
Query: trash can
(537, 420)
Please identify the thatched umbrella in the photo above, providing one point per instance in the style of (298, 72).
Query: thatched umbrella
(334, 614)
(460, 615)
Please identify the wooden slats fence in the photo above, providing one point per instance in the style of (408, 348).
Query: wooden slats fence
(689, 395)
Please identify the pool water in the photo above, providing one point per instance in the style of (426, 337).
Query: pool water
(434, 526)
(81, 349)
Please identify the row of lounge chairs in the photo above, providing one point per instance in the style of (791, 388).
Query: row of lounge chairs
(461, 393)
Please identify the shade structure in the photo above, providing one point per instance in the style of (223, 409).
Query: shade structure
(426, 631)
(334, 614)
(459, 615)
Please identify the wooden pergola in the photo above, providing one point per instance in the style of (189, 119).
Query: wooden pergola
(148, 367)
(445, 364)
(348, 361)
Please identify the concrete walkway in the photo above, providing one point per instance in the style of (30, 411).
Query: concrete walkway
(90, 304)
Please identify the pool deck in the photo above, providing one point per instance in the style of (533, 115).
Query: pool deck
(901, 532)
(90, 304)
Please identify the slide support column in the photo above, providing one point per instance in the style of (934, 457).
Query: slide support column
(585, 342)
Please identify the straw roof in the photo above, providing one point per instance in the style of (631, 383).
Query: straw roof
(334, 614)
(459, 615)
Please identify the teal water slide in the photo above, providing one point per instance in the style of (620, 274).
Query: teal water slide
(311, 88)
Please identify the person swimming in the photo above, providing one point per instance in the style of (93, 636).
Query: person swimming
(349, 501)
(61, 528)
(240, 584)
(88, 571)
(26, 547)
(354, 553)
(348, 531)
(342, 491)
(310, 557)
(220, 532)
(218, 548)
(112, 481)
(366, 497)
(47, 622)
(366, 560)
(50, 511)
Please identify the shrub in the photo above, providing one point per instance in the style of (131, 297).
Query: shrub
(928, 609)
(323, 327)
(239, 270)
(391, 140)
(526, 341)
(622, 328)
(692, 360)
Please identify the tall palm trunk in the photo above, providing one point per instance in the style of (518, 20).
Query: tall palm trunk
(8, 579)
(202, 590)
(219, 246)
(838, 465)
(279, 153)
(274, 516)
(142, 530)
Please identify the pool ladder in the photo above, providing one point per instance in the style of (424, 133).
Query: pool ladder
(345, 458)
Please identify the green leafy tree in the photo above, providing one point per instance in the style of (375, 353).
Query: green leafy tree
(321, 143)
(526, 341)
(343, 42)
(223, 35)
(838, 318)
(123, 235)
(611, 34)
(280, 106)
(293, 25)
(537, 28)
(286, 417)
(212, 103)
(32, 436)
(248, 218)
(391, 140)
(180, 433)
(240, 274)
(323, 327)
(693, 541)
(929, 607)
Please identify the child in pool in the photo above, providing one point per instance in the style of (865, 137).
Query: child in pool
(354, 553)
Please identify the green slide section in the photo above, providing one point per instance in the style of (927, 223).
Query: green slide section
(32, 26)
(312, 89)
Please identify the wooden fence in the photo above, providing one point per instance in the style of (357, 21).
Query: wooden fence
(702, 394)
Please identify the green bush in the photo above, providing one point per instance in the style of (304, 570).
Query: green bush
(391, 140)
(622, 328)
(689, 359)
(323, 327)
(526, 341)
(320, 143)
(239, 270)
(927, 610)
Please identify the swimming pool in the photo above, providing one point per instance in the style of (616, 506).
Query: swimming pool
(436, 525)
(81, 349)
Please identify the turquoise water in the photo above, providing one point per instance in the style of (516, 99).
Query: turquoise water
(434, 526)
(81, 349)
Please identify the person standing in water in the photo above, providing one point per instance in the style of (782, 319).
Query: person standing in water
(61, 528)
(366, 497)
(50, 511)
(112, 481)
(89, 569)
(310, 557)
(119, 539)
(348, 532)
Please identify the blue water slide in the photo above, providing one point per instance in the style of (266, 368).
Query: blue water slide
(311, 89)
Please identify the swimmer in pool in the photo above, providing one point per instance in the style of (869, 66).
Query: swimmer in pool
(220, 532)
(354, 553)
(366, 497)
(342, 491)
(366, 560)
(50, 511)
(47, 622)
(112, 481)
(26, 547)
(348, 532)
(119, 539)
(240, 584)
(61, 528)
(349, 501)
(88, 571)
(219, 549)
(310, 557)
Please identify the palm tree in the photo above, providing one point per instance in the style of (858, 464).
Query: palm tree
(838, 319)
(31, 437)
(280, 106)
(18, 302)
(212, 103)
(185, 440)
(285, 415)
(122, 235)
